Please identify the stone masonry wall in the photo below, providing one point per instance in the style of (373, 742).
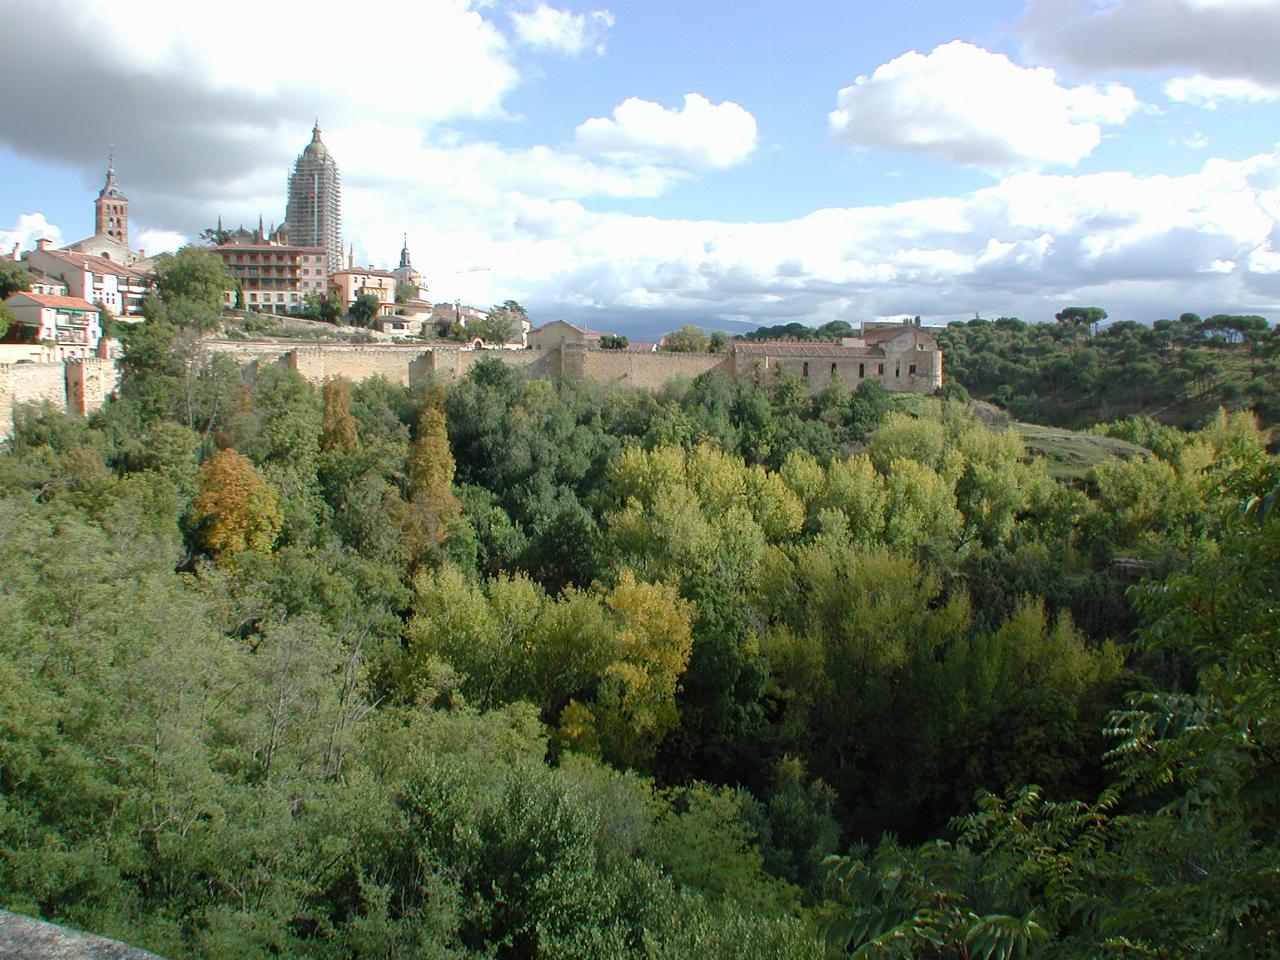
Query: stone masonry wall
(392, 361)
(89, 383)
(82, 386)
(29, 383)
(650, 370)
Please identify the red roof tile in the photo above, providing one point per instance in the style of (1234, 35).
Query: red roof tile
(792, 348)
(46, 300)
(96, 264)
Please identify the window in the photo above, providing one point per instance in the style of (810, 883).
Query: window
(881, 369)
(806, 368)
(862, 370)
(897, 369)
(833, 369)
(911, 370)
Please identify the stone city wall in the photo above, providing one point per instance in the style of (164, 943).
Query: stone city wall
(89, 383)
(357, 363)
(82, 386)
(648, 371)
(29, 383)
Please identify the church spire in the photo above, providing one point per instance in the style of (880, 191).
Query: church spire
(111, 188)
(404, 255)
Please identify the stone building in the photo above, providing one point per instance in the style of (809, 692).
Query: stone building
(901, 356)
(313, 217)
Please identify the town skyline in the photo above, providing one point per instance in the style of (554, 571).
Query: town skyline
(620, 167)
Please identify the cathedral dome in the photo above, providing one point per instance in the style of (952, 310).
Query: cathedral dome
(316, 148)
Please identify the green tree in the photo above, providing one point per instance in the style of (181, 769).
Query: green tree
(14, 278)
(500, 326)
(688, 339)
(215, 236)
(192, 275)
(364, 310)
(613, 341)
(835, 330)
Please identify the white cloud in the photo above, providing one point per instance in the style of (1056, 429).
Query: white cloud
(699, 134)
(1143, 246)
(1208, 93)
(327, 50)
(548, 28)
(1197, 141)
(29, 228)
(970, 106)
(1215, 38)
(156, 241)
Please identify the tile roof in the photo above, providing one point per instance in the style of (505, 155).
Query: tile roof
(364, 273)
(877, 334)
(792, 348)
(272, 247)
(46, 300)
(587, 334)
(95, 264)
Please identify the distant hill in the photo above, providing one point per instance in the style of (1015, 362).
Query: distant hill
(1070, 374)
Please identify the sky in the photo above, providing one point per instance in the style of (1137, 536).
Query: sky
(641, 164)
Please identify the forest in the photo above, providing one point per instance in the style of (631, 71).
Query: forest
(518, 668)
(1076, 372)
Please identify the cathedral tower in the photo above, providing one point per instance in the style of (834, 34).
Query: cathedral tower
(313, 217)
(111, 209)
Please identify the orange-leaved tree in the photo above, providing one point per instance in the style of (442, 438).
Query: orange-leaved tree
(238, 508)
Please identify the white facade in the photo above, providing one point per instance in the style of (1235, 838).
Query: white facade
(99, 280)
(67, 326)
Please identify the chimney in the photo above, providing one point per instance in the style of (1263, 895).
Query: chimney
(42, 244)
(16, 248)
(142, 254)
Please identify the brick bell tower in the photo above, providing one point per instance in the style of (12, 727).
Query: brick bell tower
(111, 210)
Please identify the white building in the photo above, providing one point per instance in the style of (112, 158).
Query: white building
(119, 288)
(68, 326)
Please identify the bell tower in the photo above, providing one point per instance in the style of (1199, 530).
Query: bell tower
(111, 210)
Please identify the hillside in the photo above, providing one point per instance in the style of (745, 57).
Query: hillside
(1066, 375)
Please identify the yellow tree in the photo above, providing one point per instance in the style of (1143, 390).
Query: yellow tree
(636, 703)
(432, 503)
(239, 508)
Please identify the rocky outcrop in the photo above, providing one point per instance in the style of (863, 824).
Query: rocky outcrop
(22, 938)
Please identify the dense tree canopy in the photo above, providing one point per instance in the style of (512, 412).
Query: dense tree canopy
(525, 669)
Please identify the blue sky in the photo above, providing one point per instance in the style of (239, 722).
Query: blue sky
(638, 165)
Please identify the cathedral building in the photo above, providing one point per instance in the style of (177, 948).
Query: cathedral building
(313, 217)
